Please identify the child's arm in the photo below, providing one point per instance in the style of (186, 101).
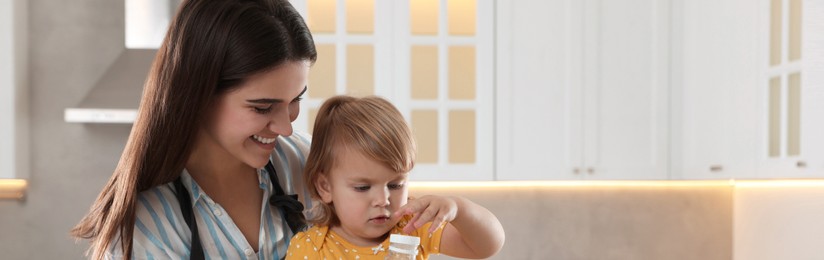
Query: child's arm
(471, 231)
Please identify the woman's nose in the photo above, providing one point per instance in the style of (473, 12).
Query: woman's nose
(281, 123)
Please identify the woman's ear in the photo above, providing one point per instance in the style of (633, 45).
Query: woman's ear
(324, 188)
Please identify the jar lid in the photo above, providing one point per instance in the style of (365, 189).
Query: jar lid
(402, 239)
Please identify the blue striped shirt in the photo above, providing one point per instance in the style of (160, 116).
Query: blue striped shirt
(161, 232)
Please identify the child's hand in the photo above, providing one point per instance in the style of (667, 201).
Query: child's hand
(436, 209)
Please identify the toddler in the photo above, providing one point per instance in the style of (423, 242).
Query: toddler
(362, 151)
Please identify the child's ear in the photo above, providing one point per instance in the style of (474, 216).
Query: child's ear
(324, 188)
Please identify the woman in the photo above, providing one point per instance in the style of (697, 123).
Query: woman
(213, 140)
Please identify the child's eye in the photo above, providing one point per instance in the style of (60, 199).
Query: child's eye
(395, 186)
(263, 110)
(361, 188)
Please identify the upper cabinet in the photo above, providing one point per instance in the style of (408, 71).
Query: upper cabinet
(582, 89)
(792, 91)
(432, 58)
(14, 119)
(555, 89)
(749, 90)
(715, 85)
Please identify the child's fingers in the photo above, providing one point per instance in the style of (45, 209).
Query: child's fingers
(410, 226)
(427, 215)
(409, 209)
(438, 222)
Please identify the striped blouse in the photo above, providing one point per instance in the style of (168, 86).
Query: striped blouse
(161, 231)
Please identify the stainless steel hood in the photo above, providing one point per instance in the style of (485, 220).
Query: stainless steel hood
(116, 95)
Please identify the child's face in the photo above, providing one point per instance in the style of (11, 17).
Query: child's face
(245, 122)
(364, 194)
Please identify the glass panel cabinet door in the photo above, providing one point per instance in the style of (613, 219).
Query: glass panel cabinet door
(431, 58)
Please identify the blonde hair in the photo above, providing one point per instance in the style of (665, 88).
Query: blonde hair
(370, 125)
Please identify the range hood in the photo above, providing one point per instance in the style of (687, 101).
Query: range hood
(116, 95)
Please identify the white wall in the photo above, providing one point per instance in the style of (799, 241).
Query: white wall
(778, 222)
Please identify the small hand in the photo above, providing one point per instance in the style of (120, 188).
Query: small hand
(436, 209)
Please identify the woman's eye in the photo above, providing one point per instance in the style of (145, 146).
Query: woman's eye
(297, 100)
(362, 188)
(396, 186)
(263, 110)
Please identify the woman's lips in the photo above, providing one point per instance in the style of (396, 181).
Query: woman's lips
(265, 143)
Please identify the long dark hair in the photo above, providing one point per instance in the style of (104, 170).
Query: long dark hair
(210, 48)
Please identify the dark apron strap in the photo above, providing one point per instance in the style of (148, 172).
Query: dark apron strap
(289, 205)
(186, 207)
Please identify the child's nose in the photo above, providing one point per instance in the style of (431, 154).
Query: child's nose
(382, 198)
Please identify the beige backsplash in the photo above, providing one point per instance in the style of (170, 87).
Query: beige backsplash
(604, 222)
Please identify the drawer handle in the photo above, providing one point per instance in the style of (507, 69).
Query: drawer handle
(716, 168)
(801, 164)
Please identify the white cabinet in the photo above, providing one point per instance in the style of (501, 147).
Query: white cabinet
(715, 89)
(432, 58)
(794, 98)
(812, 100)
(14, 121)
(582, 90)
(748, 90)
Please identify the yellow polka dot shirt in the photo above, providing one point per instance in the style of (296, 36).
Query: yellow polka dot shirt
(318, 242)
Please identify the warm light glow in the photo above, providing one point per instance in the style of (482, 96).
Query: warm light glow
(482, 184)
(12, 188)
(640, 184)
(778, 183)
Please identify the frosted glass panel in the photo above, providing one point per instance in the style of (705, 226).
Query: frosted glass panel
(424, 74)
(462, 72)
(795, 30)
(423, 16)
(360, 70)
(775, 32)
(321, 15)
(360, 16)
(322, 74)
(775, 117)
(425, 127)
(462, 136)
(794, 114)
(462, 17)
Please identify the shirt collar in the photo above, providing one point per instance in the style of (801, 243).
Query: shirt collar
(195, 193)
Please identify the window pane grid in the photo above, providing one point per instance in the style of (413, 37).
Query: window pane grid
(783, 79)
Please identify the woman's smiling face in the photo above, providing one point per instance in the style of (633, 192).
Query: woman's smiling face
(246, 121)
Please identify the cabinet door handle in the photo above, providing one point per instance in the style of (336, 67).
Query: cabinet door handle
(590, 170)
(576, 171)
(801, 164)
(716, 168)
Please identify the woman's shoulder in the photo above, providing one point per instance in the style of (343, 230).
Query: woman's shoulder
(159, 226)
(291, 152)
(160, 198)
(157, 210)
(298, 142)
